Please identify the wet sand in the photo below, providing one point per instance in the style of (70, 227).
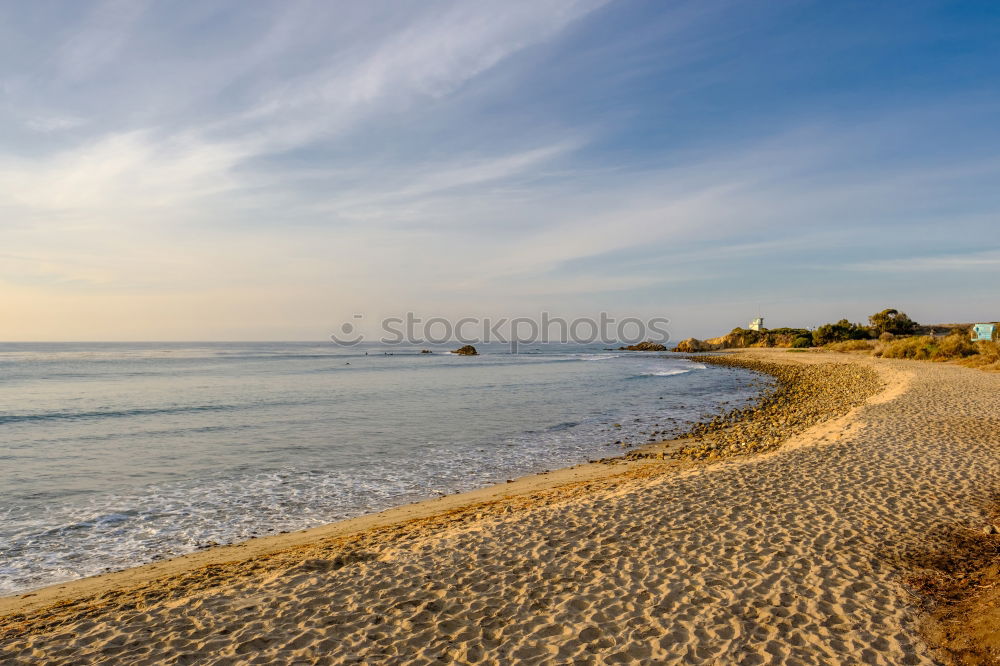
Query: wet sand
(796, 555)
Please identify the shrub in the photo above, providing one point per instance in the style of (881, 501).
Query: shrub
(988, 357)
(892, 321)
(773, 337)
(786, 337)
(989, 350)
(802, 341)
(956, 346)
(917, 347)
(839, 332)
(929, 348)
(886, 337)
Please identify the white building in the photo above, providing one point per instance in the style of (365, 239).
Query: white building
(757, 324)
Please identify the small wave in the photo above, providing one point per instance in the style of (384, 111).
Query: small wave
(666, 373)
(284, 480)
(97, 522)
(124, 413)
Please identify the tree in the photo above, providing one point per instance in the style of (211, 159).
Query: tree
(892, 321)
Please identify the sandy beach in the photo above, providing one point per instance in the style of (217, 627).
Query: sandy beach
(797, 554)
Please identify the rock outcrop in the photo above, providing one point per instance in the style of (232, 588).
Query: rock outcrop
(467, 350)
(696, 345)
(648, 345)
(771, 337)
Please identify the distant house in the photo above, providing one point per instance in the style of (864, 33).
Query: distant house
(757, 324)
(983, 332)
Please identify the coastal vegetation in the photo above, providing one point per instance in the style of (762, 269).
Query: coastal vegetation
(891, 321)
(927, 347)
(889, 333)
(842, 331)
(955, 347)
(883, 325)
(851, 345)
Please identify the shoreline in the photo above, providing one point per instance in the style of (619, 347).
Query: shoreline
(188, 512)
(695, 451)
(811, 550)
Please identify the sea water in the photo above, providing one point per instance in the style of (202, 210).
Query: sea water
(117, 454)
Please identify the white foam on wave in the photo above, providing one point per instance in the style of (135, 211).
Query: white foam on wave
(115, 531)
(666, 373)
(661, 371)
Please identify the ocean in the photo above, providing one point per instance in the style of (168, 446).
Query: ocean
(118, 454)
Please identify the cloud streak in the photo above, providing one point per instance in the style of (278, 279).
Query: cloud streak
(316, 158)
(971, 261)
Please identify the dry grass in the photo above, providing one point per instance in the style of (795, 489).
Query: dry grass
(851, 346)
(987, 358)
(928, 348)
(955, 347)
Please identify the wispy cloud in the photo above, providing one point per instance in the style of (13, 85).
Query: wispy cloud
(54, 123)
(115, 173)
(970, 261)
(316, 157)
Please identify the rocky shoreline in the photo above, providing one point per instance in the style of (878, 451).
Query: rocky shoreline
(805, 395)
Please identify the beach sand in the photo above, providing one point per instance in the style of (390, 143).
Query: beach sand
(797, 556)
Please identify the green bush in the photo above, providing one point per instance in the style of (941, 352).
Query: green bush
(802, 341)
(768, 337)
(839, 332)
(917, 347)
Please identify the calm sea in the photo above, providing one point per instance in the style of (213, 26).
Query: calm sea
(116, 454)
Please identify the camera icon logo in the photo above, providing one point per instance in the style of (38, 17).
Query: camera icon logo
(348, 337)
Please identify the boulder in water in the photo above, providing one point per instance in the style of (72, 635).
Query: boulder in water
(648, 345)
(467, 350)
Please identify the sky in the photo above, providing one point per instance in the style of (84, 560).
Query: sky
(268, 170)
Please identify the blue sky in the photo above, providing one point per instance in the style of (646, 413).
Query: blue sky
(233, 170)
